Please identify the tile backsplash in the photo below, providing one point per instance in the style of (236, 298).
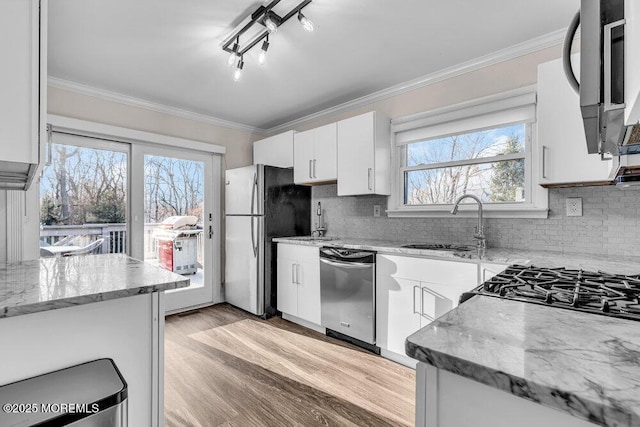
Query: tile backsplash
(609, 224)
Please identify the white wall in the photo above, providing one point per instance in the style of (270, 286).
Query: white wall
(238, 143)
(504, 76)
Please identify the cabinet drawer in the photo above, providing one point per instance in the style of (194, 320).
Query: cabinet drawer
(433, 271)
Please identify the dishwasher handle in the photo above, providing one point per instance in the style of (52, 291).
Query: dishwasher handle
(346, 264)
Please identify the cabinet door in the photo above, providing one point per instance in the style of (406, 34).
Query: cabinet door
(287, 286)
(632, 62)
(561, 139)
(397, 303)
(19, 83)
(309, 290)
(303, 157)
(436, 299)
(274, 151)
(356, 137)
(325, 167)
(488, 270)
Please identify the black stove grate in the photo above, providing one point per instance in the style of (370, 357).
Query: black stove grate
(594, 292)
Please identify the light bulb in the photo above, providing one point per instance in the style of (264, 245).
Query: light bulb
(237, 73)
(271, 26)
(305, 22)
(263, 53)
(233, 56)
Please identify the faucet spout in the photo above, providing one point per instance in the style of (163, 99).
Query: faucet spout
(479, 234)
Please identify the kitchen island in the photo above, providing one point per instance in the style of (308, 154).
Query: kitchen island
(59, 312)
(495, 362)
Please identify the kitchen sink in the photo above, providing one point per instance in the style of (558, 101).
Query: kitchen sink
(439, 247)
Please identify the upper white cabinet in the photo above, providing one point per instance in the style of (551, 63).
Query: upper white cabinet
(561, 139)
(632, 62)
(23, 79)
(364, 155)
(298, 275)
(315, 155)
(412, 292)
(276, 150)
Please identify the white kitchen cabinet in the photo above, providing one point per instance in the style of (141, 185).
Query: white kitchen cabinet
(364, 155)
(411, 292)
(276, 150)
(315, 155)
(632, 62)
(299, 281)
(490, 269)
(23, 80)
(562, 146)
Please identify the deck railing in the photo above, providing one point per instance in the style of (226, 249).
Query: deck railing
(114, 235)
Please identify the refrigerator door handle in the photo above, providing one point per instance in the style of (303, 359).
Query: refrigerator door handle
(253, 239)
(254, 189)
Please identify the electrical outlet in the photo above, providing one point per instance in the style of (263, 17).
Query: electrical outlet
(376, 210)
(574, 206)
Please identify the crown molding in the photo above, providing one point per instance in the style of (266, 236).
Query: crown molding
(530, 46)
(148, 105)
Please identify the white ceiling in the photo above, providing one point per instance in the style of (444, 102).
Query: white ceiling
(169, 51)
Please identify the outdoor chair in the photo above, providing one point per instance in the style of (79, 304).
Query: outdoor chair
(90, 249)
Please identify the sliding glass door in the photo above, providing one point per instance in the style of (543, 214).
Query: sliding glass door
(175, 207)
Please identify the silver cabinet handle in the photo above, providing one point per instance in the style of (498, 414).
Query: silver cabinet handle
(293, 273)
(608, 63)
(369, 179)
(310, 175)
(414, 299)
(544, 162)
(314, 168)
(426, 316)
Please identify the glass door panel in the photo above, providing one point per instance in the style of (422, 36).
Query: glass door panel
(83, 197)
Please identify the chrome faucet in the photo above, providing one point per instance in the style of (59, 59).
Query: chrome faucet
(479, 233)
(320, 229)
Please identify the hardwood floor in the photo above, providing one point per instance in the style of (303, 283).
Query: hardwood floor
(225, 367)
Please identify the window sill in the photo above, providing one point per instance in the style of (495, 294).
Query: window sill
(511, 212)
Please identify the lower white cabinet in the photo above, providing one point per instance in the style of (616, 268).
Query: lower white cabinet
(412, 292)
(299, 281)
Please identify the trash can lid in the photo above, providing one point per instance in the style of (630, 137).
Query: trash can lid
(64, 396)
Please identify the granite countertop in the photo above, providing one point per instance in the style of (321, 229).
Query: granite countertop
(582, 363)
(551, 259)
(52, 283)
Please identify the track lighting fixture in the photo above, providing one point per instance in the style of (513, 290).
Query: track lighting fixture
(305, 22)
(237, 73)
(233, 56)
(263, 52)
(268, 23)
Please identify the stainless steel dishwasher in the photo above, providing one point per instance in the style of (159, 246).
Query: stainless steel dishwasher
(347, 295)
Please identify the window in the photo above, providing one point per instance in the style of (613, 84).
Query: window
(488, 163)
(481, 147)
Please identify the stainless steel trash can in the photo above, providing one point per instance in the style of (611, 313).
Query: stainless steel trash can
(92, 394)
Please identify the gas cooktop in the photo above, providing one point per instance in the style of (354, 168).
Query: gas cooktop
(594, 292)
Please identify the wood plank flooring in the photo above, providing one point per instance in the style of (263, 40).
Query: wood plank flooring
(225, 367)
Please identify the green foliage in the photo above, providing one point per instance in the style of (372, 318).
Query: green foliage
(507, 177)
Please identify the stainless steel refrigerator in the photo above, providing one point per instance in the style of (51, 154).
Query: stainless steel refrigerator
(261, 202)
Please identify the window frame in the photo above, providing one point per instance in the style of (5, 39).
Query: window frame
(535, 204)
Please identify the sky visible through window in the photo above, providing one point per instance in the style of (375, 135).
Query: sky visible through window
(495, 181)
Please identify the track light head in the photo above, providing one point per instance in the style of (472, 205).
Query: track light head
(305, 22)
(237, 73)
(271, 21)
(233, 56)
(263, 53)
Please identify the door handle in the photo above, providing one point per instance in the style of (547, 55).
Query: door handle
(369, 179)
(210, 232)
(544, 162)
(426, 316)
(310, 176)
(293, 273)
(253, 239)
(314, 168)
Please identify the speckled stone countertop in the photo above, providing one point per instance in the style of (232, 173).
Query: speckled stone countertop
(585, 364)
(52, 283)
(626, 265)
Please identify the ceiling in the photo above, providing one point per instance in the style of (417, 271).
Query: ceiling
(169, 51)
